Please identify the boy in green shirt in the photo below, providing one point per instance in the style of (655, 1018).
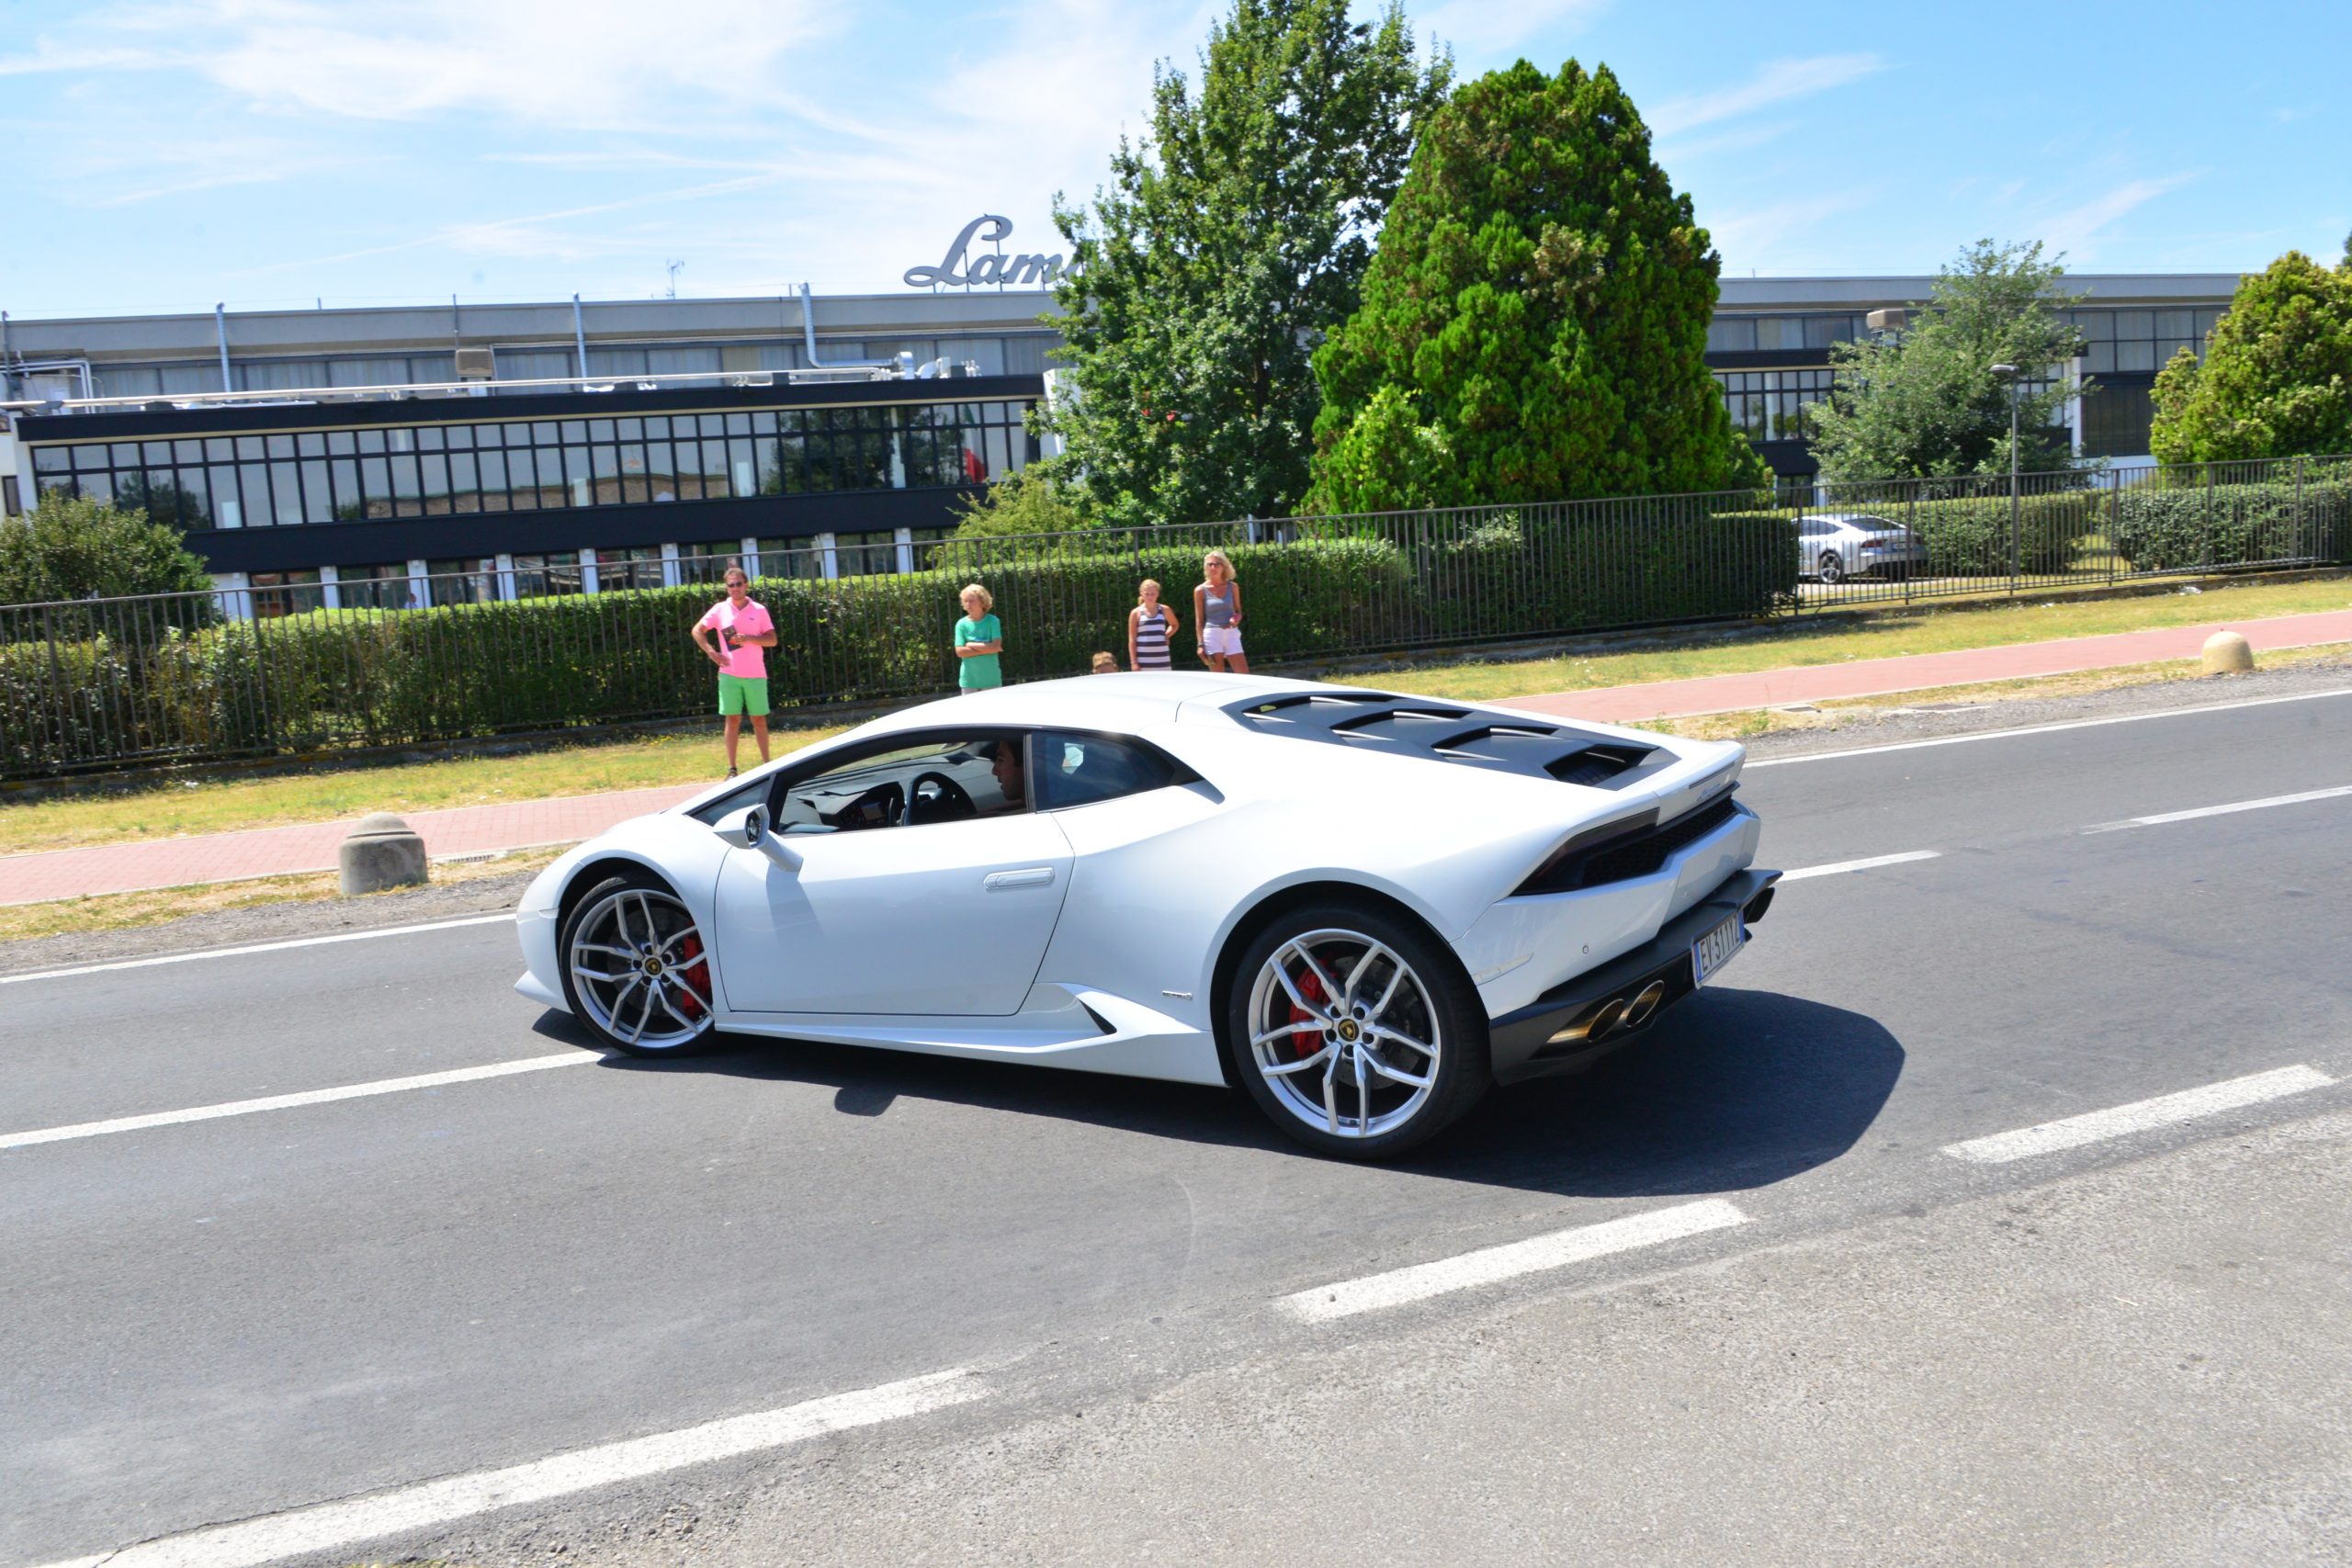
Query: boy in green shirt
(980, 638)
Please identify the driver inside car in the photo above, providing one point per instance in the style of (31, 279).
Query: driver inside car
(1006, 765)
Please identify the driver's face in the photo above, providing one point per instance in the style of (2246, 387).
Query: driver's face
(1007, 768)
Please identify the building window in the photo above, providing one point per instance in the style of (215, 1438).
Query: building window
(279, 594)
(2140, 342)
(791, 558)
(635, 568)
(537, 577)
(866, 555)
(1770, 405)
(348, 476)
(472, 580)
(385, 586)
(2115, 418)
(706, 564)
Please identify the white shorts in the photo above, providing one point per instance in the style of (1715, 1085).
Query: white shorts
(1222, 640)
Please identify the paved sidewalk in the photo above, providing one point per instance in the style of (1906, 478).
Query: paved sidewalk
(311, 846)
(1878, 677)
(275, 852)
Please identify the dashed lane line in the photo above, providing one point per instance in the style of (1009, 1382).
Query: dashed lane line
(291, 1101)
(1839, 868)
(1492, 1264)
(2265, 803)
(2164, 1111)
(331, 1527)
(505, 916)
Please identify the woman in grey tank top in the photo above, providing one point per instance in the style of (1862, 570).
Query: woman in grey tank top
(1216, 608)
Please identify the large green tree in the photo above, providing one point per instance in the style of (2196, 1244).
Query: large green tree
(1926, 402)
(70, 548)
(1231, 238)
(2277, 378)
(1535, 324)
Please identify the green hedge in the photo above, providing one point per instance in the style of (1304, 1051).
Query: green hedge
(1968, 536)
(2176, 521)
(359, 678)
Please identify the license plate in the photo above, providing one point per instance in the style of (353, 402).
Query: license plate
(1716, 949)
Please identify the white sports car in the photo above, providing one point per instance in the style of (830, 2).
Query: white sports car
(1362, 908)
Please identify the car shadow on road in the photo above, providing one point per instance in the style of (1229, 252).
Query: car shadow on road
(1734, 1089)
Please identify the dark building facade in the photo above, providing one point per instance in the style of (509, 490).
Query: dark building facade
(392, 457)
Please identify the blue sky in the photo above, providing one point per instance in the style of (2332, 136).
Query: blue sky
(167, 153)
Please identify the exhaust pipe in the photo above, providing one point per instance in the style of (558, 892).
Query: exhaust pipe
(1639, 1010)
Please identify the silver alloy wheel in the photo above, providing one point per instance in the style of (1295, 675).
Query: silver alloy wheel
(1833, 568)
(1349, 1006)
(641, 970)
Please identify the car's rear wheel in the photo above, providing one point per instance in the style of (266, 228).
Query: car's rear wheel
(1355, 1031)
(1833, 568)
(636, 967)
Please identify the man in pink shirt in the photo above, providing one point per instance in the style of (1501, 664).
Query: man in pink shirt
(742, 628)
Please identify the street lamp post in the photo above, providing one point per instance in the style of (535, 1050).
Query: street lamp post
(2008, 373)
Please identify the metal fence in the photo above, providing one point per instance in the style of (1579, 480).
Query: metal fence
(105, 684)
(1977, 536)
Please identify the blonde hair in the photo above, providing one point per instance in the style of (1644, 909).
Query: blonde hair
(1105, 663)
(1221, 560)
(1146, 582)
(974, 591)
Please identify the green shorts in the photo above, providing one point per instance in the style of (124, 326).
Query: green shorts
(743, 693)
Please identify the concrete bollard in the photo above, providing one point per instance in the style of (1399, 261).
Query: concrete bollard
(381, 852)
(2227, 653)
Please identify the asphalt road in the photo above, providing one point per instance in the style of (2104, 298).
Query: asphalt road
(223, 1319)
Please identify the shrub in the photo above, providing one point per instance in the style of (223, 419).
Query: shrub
(2180, 521)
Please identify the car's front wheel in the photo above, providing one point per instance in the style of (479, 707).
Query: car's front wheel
(1833, 568)
(1355, 1031)
(636, 967)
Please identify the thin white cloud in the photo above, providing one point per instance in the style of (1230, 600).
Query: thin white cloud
(1777, 238)
(1484, 33)
(2075, 232)
(1777, 82)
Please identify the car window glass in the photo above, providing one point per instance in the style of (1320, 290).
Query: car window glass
(907, 785)
(751, 793)
(1078, 769)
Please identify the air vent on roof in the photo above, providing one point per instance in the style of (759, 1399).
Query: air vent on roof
(476, 364)
(1595, 764)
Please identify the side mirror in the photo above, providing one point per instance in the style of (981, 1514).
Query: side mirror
(750, 832)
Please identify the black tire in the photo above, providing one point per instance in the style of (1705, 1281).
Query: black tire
(1833, 569)
(1386, 1117)
(682, 989)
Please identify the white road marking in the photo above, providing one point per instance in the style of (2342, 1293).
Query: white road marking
(2264, 803)
(257, 947)
(329, 1527)
(2162, 1111)
(1754, 764)
(290, 1101)
(1839, 868)
(1490, 1264)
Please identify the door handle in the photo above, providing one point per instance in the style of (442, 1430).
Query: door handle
(1005, 881)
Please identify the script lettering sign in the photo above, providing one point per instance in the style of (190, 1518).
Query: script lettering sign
(959, 269)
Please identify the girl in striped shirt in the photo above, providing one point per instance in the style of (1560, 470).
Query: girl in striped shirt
(1150, 627)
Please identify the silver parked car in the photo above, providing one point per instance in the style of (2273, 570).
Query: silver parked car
(1835, 546)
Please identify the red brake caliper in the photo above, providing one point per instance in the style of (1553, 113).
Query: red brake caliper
(696, 969)
(1307, 1041)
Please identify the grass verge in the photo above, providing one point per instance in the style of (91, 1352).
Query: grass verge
(129, 911)
(1741, 725)
(1887, 634)
(167, 807)
(162, 809)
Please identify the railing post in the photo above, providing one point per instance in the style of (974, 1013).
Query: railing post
(2114, 520)
(2304, 544)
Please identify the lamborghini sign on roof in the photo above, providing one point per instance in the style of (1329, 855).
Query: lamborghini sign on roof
(958, 269)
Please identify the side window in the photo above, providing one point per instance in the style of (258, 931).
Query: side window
(1076, 768)
(733, 800)
(902, 786)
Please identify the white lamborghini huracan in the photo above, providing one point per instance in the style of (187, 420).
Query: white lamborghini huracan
(1362, 908)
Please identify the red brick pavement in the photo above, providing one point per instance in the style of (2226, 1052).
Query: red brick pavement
(272, 852)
